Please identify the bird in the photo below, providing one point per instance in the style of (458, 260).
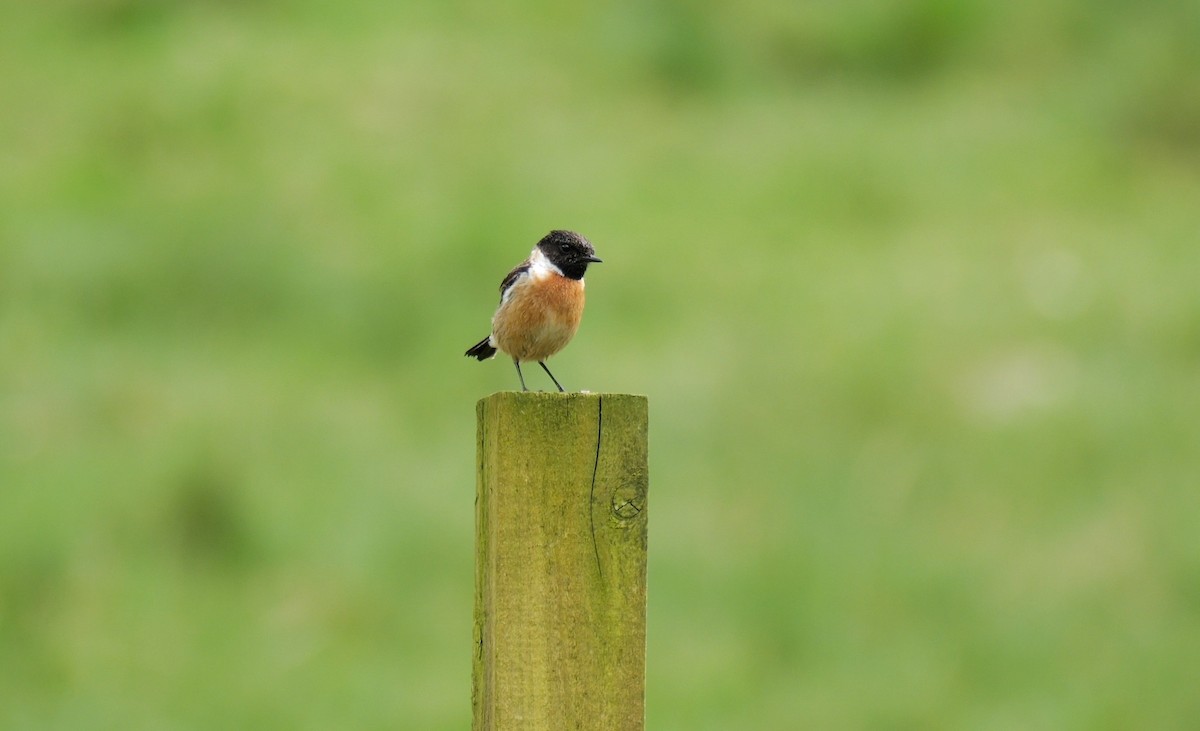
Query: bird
(541, 303)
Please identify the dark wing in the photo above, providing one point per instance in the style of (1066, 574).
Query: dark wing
(512, 277)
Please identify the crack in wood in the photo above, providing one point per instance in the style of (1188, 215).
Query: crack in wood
(592, 495)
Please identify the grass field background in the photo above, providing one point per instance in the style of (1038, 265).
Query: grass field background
(912, 288)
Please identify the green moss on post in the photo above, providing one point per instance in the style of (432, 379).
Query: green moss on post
(560, 565)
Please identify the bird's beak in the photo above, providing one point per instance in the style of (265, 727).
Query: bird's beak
(594, 259)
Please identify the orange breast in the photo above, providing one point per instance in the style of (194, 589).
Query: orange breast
(539, 317)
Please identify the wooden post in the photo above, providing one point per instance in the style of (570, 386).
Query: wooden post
(560, 562)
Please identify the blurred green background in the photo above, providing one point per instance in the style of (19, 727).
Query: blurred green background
(911, 286)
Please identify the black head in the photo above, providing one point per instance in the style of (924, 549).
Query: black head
(568, 251)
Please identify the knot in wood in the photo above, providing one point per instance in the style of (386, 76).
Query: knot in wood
(628, 501)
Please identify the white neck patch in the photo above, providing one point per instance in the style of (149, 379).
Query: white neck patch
(540, 267)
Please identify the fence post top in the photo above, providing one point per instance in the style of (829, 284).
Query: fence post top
(550, 396)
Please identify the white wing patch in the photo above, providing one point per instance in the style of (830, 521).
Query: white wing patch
(521, 279)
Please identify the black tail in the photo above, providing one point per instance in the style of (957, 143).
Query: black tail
(482, 350)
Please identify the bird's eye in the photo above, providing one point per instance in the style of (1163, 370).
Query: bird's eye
(564, 247)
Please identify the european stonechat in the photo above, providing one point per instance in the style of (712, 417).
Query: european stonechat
(541, 303)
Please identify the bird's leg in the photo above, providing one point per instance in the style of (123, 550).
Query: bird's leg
(552, 378)
(517, 363)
